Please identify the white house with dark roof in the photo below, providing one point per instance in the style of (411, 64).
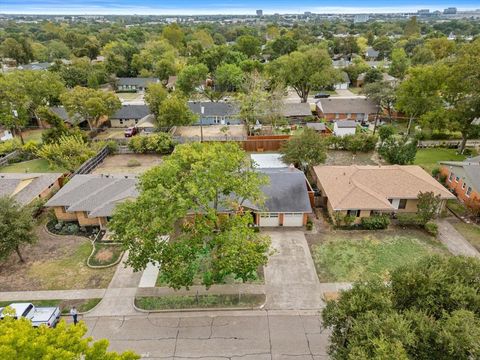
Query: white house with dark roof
(342, 128)
(128, 116)
(134, 84)
(215, 113)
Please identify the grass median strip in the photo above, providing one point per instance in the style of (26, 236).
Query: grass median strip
(171, 302)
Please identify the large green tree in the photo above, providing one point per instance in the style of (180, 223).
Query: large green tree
(179, 220)
(429, 310)
(16, 227)
(192, 79)
(304, 70)
(304, 150)
(174, 111)
(154, 97)
(90, 104)
(20, 340)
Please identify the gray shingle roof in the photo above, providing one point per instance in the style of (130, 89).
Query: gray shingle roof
(131, 112)
(346, 105)
(287, 191)
(95, 194)
(296, 109)
(316, 126)
(62, 113)
(346, 124)
(214, 108)
(136, 81)
(9, 182)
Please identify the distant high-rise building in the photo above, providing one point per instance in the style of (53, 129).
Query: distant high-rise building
(450, 11)
(307, 13)
(259, 12)
(361, 18)
(423, 12)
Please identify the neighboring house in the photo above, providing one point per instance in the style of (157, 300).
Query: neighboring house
(288, 199)
(135, 84)
(128, 116)
(296, 112)
(341, 63)
(27, 187)
(90, 199)
(147, 124)
(462, 177)
(362, 191)
(383, 64)
(342, 128)
(215, 113)
(319, 127)
(360, 82)
(35, 66)
(62, 113)
(344, 83)
(371, 53)
(358, 108)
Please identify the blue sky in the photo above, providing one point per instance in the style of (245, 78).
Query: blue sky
(153, 7)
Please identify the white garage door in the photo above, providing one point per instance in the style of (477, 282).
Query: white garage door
(293, 219)
(269, 219)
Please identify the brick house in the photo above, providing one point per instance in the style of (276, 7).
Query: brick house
(346, 108)
(463, 177)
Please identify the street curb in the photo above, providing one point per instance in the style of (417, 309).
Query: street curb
(260, 307)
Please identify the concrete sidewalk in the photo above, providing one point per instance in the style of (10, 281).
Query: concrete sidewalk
(149, 276)
(454, 241)
(52, 295)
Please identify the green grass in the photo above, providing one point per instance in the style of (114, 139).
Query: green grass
(82, 305)
(428, 158)
(470, 232)
(33, 135)
(200, 301)
(359, 255)
(229, 279)
(457, 207)
(31, 166)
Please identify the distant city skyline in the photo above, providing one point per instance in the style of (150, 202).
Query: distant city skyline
(217, 7)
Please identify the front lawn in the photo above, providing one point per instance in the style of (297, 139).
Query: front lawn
(429, 158)
(53, 263)
(30, 166)
(201, 301)
(358, 255)
(470, 232)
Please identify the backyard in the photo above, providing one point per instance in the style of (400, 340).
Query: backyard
(340, 157)
(429, 158)
(53, 263)
(127, 163)
(346, 256)
(30, 166)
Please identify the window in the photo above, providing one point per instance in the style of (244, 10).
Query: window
(355, 213)
(402, 204)
(469, 191)
(121, 121)
(450, 177)
(349, 115)
(457, 178)
(337, 115)
(463, 185)
(268, 215)
(136, 121)
(64, 209)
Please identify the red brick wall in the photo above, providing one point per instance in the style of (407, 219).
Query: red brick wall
(457, 186)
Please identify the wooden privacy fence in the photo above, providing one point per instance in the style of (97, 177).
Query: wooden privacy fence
(10, 156)
(264, 143)
(88, 166)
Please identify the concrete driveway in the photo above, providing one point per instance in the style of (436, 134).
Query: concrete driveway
(291, 281)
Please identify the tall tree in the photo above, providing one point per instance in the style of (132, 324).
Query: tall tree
(16, 227)
(174, 111)
(192, 79)
(21, 340)
(305, 150)
(383, 94)
(253, 100)
(249, 45)
(185, 198)
(308, 68)
(400, 63)
(154, 97)
(90, 104)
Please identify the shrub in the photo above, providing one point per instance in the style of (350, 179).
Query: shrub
(133, 163)
(431, 228)
(9, 146)
(309, 224)
(112, 146)
(399, 151)
(72, 228)
(58, 226)
(30, 147)
(409, 219)
(160, 143)
(375, 222)
(355, 143)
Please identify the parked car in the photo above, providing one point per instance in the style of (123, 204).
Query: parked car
(321, 96)
(37, 315)
(131, 131)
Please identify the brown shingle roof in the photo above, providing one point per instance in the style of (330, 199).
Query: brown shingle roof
(346, 105)
(370, 187)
